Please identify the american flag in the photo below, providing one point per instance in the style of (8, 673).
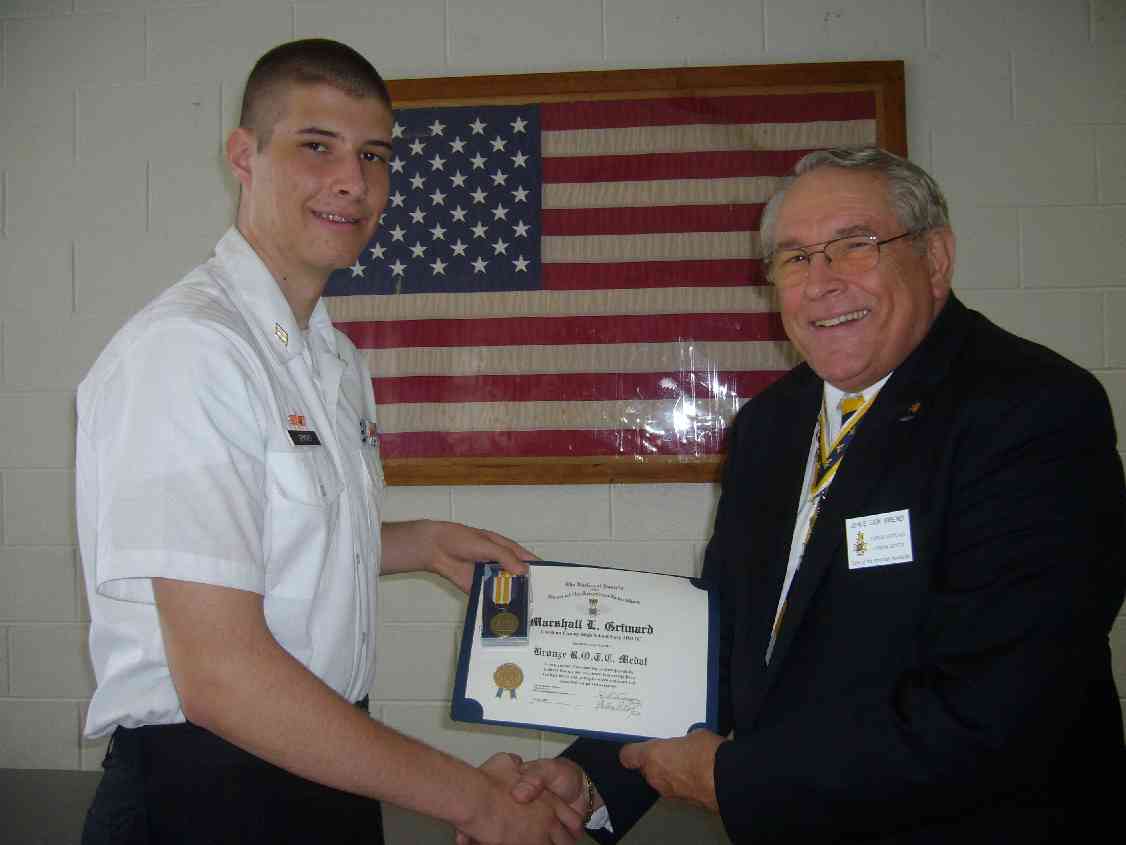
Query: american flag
(579, 278)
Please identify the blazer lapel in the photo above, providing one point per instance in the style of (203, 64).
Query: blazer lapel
(786, 447)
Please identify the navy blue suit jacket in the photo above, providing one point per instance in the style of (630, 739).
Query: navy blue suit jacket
(965, 693)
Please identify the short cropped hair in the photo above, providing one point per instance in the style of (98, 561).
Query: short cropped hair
(308, 61)
(915, 196)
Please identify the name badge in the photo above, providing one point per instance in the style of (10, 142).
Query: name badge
(879, 540)
(304, 438)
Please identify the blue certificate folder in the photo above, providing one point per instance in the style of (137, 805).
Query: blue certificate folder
(565, 677)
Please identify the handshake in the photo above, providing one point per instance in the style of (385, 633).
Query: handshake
(552, 800)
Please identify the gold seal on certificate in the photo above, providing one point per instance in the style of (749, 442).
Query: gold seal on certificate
(508, 676)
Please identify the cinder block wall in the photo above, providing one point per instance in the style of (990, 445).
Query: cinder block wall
(112, 116)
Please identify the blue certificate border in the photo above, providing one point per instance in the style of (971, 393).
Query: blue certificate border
(463, 709)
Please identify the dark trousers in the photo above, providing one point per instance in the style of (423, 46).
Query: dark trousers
(182, 784)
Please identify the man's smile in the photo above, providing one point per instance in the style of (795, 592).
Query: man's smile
(331, 217)
(841, 319)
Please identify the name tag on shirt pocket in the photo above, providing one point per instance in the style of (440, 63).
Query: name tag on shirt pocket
(881, 539)
(304, 475)
(304, 437)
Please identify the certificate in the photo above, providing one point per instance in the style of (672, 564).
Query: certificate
(588, 650)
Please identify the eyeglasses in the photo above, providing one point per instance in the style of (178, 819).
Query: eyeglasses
(849, 256)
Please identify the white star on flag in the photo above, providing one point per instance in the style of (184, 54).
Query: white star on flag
(357, 269)
(441, 236)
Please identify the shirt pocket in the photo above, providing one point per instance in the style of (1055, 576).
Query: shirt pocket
(304, 476)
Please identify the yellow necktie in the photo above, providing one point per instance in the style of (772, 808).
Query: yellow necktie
(849, 405)
(826, 461)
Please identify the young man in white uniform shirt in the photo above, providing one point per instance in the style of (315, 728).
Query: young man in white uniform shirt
(220, 492)
(229, 498)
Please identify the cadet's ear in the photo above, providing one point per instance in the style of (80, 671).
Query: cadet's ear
(940, 262)
(241, 149)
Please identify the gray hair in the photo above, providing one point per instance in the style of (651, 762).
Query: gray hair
(915, 196)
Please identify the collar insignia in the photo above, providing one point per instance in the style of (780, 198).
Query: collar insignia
(912, 412)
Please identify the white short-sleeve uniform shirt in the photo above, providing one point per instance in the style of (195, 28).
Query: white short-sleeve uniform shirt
(221, 444)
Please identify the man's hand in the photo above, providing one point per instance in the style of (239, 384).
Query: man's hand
(678, 768)
(448, 549)
(558, 778)
(529, 820)
(558, 775)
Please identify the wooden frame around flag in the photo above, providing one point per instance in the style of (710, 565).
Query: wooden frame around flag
(640, 451)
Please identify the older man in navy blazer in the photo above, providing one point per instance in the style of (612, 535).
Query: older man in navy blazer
(916, 590)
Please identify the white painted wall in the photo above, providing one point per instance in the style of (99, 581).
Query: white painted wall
(112, 116)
